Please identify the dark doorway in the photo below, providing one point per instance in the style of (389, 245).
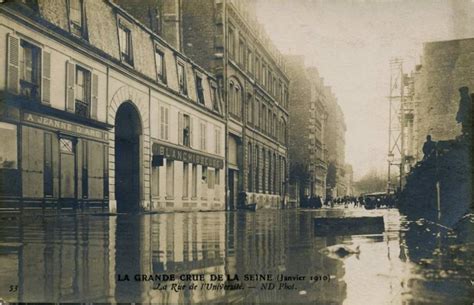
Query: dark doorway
(127, 158)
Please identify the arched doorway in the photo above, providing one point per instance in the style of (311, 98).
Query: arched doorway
(128, 130)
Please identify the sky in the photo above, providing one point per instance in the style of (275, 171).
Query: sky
(351, 43)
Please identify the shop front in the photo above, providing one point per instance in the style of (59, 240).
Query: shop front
(184, 179)
(46, 161)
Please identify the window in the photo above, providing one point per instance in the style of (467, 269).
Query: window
(256, 113)
(8, 149)
(169, 178)
(182, 79)
(210, 179)
(242, 52)
(164, 123)
(269, 121)
(194, 181)
(217, 141)
(82, 94)
(203, 136)
(204, 175)
(249, 61)
(76, 17)
(214, 98)
(200, 90)
(186, 130)
(249, 108)
(155, 181)
(264, 75)
(231, 42)
(160, 65)
(217, 180)
(125, 40)
(30, 65)
(257, 68)
(66, 146)
(185, 180)
(238, 101)
(262, 117)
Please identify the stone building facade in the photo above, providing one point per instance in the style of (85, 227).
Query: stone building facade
(445, 67)
(308, 167)
(98, 110)
(334, 138)
(225, 38)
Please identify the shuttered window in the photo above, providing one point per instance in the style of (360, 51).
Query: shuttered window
(164, 123)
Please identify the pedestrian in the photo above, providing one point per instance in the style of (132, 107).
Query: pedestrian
(428, 147)
(464, 115)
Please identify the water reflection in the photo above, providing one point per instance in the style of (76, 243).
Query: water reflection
(87, 259)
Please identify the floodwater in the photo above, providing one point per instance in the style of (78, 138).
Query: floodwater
(90, 258)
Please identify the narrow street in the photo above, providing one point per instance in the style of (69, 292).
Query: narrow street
(86, 258)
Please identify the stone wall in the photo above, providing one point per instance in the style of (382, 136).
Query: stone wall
(446, 66)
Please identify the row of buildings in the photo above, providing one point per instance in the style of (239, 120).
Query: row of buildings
(317, 137)
(142, 105)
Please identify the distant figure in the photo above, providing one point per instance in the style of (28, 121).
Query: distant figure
(428, 147)
(464, 115)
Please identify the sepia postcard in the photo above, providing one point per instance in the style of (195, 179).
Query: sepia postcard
(236, 152)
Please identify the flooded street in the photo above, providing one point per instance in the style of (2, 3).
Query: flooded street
(87, 258)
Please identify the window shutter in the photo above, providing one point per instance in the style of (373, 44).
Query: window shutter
(162, 122)
(70, 82)
(166, 123)
(13, 77)
(191, 129)
(94, 96)
(180, 128)
(46, 78)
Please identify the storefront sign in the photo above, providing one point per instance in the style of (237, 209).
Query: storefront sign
(173, 153)
(64, 126)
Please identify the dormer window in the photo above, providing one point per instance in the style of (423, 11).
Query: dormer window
(182, 79)
(76, 17)
(200, 90)
(125, 39)
(160, 65)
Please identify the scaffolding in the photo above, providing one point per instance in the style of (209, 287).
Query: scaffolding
(395, 156)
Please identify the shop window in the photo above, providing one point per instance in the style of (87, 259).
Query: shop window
(30, 70)
(155, 181)
(169, 178)
(8, 149)
(160, 65)
(200, 90)
(82, 94)
(210, 179)
(194, 181)
(125, 40)
(185, 180)
(204, 175)
(76, 17)
(182, 79)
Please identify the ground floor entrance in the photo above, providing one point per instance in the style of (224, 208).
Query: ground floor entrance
(128, 133)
